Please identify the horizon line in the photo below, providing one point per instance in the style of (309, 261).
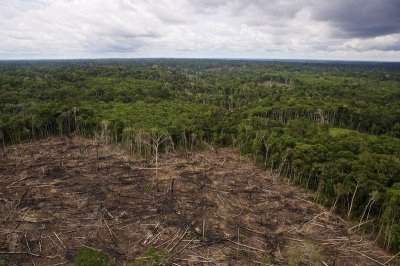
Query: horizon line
(204, 58)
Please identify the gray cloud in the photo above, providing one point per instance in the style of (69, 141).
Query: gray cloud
(360, 18)
(335, 29)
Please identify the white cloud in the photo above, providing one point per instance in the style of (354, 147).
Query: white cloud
(184, 28)
(387, 43)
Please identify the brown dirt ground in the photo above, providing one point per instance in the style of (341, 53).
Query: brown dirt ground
(59, 194)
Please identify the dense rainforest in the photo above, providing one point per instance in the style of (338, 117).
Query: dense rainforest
(332, 127)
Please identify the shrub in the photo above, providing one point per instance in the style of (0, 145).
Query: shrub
(308, 252)
(151, 257)
(91, 257)
(266, 260)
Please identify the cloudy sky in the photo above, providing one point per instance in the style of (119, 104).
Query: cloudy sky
(293, 29)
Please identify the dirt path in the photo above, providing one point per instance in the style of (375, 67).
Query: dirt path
(59, 194)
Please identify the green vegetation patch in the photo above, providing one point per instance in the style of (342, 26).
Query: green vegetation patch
(90, 257)
(334, 131)
(151, 257)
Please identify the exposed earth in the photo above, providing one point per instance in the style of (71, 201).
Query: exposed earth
(204, 208)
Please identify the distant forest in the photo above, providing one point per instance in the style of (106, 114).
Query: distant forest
(332, 127)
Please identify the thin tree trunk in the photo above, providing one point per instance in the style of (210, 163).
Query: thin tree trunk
(352, 201)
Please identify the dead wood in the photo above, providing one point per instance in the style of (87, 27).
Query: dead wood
(75, 193)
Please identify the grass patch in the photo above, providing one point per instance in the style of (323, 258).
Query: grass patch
(91, 257)
(266, 260)
(151, 257)
(308, 253)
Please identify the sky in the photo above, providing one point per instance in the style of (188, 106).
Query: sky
(263, 29)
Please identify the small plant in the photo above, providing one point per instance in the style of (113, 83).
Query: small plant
(308, 252)
(3, 263)
(151, 257)
(294, 256)
(190, 234)
(266, 260)
(91, 257)
(244, 252)
(147, 189)
(314, 254)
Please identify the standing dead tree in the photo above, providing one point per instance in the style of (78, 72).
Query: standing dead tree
(105, 134)
(374, 196)
(158, 137)
(356, 185)
(149, 142)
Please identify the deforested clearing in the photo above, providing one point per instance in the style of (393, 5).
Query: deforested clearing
(204, 207)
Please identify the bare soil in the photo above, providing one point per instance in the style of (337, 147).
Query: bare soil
(204, 208)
